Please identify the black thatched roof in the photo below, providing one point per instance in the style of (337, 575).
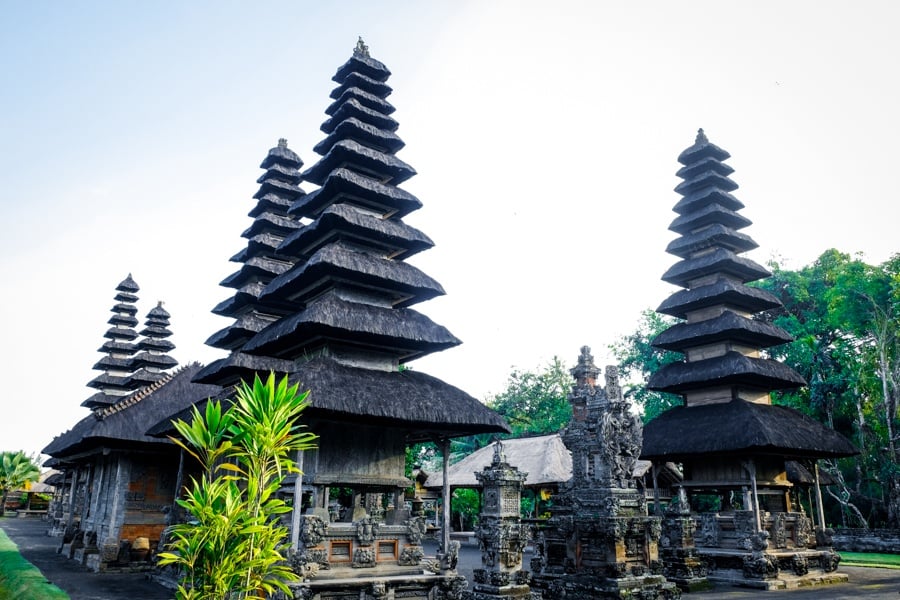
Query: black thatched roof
(239, 365)
(709, 214)
(378, 133)
(396, 239)
(728, 326)
(358, 80)
(401, 331)
(235, 335)
(124, 424)
(417, 402)
(723, 291)
(338, 263)
(720, 261)
(362, 63)
(733, 368)
(385, 167)
(353, 188)
(363, 97)
(740, 427)
(714, 235)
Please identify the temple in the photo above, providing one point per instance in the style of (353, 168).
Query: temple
(121, 483)
(325, 296)
(734, 444)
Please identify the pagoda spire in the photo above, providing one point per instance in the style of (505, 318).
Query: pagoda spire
(720, 339)
(153, 359)
(261, 261)
(117, 365)
(351, 284)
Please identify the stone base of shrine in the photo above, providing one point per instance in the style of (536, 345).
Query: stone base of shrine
(490, 592)
(413, 587)
(580, 587)
(783, 570)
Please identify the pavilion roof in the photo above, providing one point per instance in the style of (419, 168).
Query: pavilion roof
(740, 427)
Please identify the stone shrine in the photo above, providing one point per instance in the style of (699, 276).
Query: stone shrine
(501, 534)
(599, 541)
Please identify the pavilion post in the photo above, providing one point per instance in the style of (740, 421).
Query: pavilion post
(820, 513)
(298, 503)
(445, 495)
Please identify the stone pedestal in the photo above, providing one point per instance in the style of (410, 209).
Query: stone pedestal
(682, 564)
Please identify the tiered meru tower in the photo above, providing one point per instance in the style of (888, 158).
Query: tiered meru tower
(122, 371)
(324, 295)
(732, 442)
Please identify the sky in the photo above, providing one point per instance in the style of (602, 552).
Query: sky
(545, 136)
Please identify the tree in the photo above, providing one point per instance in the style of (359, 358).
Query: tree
(638, 360)
(536, 402)
(231, 547)
(17, 471)
(845, 317)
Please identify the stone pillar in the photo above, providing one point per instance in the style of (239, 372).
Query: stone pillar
(501, 535)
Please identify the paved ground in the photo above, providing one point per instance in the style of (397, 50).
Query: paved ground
(80, 584)
(30, 535)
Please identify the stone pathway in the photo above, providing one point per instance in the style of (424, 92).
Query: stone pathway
(30, 535)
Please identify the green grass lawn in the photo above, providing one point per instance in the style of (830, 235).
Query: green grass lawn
(870, 559)
(19, 579)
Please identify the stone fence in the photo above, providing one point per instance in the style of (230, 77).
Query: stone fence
(885, 541)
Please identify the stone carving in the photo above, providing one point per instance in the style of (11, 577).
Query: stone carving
(760, 565)
(799, 565)
(364, 558)
(830, 561)
(313, 529)
(411, 556)
(804, 531)
(416, 529)
(450, 589)
(450, 558)
(380, 591)
(600, 541)
(779, 530)
(824, 537)
(708, 534)
(366, 530)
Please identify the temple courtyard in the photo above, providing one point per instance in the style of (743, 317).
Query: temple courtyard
(31, 537)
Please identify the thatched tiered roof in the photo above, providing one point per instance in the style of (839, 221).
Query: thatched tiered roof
(124, 424)
(740, 426)
(337, 291)
(720, 338)
(723, 379)
(117, 365)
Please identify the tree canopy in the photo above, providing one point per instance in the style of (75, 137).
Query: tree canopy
(17, 471)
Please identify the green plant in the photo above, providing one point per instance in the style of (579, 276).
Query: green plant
(231, 548)
(17, 470)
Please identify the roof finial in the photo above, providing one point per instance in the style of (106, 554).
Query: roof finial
(361, 48)
(282, 143)
(701, 137)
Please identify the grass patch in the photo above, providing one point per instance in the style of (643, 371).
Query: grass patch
(870, 559)
(19, 579)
